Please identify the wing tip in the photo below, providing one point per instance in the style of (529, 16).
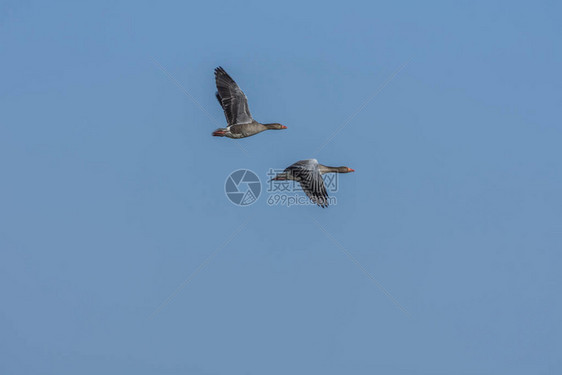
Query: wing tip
(219, 71)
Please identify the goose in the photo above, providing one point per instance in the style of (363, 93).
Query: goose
(309, 174)
(235, 106)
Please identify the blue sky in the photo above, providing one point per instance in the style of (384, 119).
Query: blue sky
(119, 252)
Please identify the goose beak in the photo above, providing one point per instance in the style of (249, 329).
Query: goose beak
(283, 127)
(351, 170)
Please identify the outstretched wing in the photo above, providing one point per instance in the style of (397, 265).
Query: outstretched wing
(232, 99)
(306, 172)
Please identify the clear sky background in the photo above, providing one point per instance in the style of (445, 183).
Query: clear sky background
(120, 254)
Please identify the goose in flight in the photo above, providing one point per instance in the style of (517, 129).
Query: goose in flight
(309, 174)
(235, 106)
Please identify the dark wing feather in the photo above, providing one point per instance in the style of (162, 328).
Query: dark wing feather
(306, 172)
(232, 99)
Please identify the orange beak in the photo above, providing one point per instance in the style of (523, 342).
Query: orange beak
(351, 170)
(283, 127)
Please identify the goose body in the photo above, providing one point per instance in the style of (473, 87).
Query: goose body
(235, 106)
(308, 173)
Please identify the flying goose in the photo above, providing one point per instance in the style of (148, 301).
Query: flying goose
(309, 174)
(235, 106)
